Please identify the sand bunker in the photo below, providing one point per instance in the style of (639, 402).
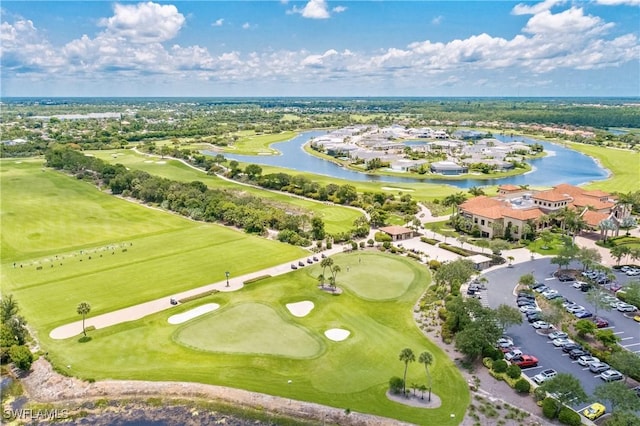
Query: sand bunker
(392, 188)
(148, 161)
(300, 309)
(193, 313)
(337, 334)
(161, 162)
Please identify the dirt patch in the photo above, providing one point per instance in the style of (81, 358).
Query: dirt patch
(415, 400)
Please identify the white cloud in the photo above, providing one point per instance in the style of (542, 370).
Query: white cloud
(246, 26)
(571, 21)
(437, 20)
(339, 9)
(314, 9)
(144, 22)
(218, 22)
(618, 2)
(525, 9)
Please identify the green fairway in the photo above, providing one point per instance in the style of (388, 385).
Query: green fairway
(371, 276)
(249, 328)
(109, 252)
(254, 343)
(251, 144)
(337, 218)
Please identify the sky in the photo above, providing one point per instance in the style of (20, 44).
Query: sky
(320, 48)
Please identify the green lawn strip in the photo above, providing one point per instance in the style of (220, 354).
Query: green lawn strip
(552, 249)
(250, 328)
(252, 144)
(623, 164)
(46, 212)
(350, 374)
(337, 218)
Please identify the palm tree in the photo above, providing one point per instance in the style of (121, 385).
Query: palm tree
(334, 273)
(454, 200)
(327, 262)
(83, 309)
(605, 226)
(475, 191)
(406, 356)
(427, 359)
(321, 280)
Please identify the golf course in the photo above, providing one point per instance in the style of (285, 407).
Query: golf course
(65, 242)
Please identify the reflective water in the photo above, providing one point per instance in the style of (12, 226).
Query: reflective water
(561, 165)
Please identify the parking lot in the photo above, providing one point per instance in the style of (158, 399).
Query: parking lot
(500, 289)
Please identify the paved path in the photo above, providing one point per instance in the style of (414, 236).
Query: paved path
(136, 312)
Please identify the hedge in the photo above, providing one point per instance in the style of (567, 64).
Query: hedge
(454, 249)
(500, 366)
(431, 241)
(253, 280)
(198, 296)
(550, 408)
(522, 386)
(569, 417)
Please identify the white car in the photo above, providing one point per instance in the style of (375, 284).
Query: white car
(633, 272)
(578, 284)
(542, 325)
(625, 307)
(561, 341)
(587, 360)
(544, 375)
(557, 335)
(513, 354)
(528, 308)
(572, 309)
(505, 342)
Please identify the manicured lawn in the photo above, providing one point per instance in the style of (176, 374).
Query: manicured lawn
(250, 328)
(252, 144)
(337, 218)
(551, 249)
(253, 342)
(109, 252)
(623, 164)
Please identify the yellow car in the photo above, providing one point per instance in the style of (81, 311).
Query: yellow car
(636, 318)
(594, 411)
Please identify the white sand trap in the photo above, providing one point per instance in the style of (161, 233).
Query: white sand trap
(300, 309)
(18, 162)
(337, 334)
(391, 188)
(193, 313)
(148, 161)
(161, 162)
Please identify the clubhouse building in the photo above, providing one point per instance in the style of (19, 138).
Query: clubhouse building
(514, 207)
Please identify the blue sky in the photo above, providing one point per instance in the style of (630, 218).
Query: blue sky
(320, 48)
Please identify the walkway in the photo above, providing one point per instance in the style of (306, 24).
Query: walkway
(136, 312)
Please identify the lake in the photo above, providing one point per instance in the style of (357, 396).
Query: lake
(561, 165)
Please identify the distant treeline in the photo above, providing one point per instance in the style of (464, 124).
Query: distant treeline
(194, 200)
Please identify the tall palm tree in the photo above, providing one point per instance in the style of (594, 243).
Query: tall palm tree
(83, 309)
(475, 191)
(427, 359)
(327, 262)
(454, 200)
(406, 356)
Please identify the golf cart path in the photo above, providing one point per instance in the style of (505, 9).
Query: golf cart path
(133, 313)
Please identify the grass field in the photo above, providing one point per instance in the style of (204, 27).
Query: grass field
(253, 342)
(252, 144)
(336, 218)
(71, 243)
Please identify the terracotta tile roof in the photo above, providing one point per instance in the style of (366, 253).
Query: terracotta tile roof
(481, 202)
(592, 202)
(596, 193)
(527, 214)
(594, 218)
(509, 188)
(565, 188)
(551, 195)
(396, 230)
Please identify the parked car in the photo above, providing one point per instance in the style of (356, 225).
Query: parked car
(574, 308)
(542, 325)
(526, 294)
(541, 289)
(525, 309)
(300, 263)
(583, 314)
(324, 256)
(293, 266)
(315, 259)
(525, 361)
(578, 284)
(504, 342)
(565, 278)
(625, 307)
(577, 353)
(594, 411)
(637, 390)
(309, 261)
(611, 375)
(544, 375)
(587, 360)
(557, 335)
(636, 318)
(600, 322)
(534, 316)
(513, 354)
(561, 341)
(570, 346)
(598, 367)
(525, 302)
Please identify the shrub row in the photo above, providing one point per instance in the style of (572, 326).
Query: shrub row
(198, 296)
(253, 280)
(431, 241)
(456, 250)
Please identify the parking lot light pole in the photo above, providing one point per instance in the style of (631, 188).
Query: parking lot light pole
(227, 274)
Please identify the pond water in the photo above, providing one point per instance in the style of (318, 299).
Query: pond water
(561, 165)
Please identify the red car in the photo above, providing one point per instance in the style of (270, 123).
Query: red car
(525, 361)
(601, 322)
